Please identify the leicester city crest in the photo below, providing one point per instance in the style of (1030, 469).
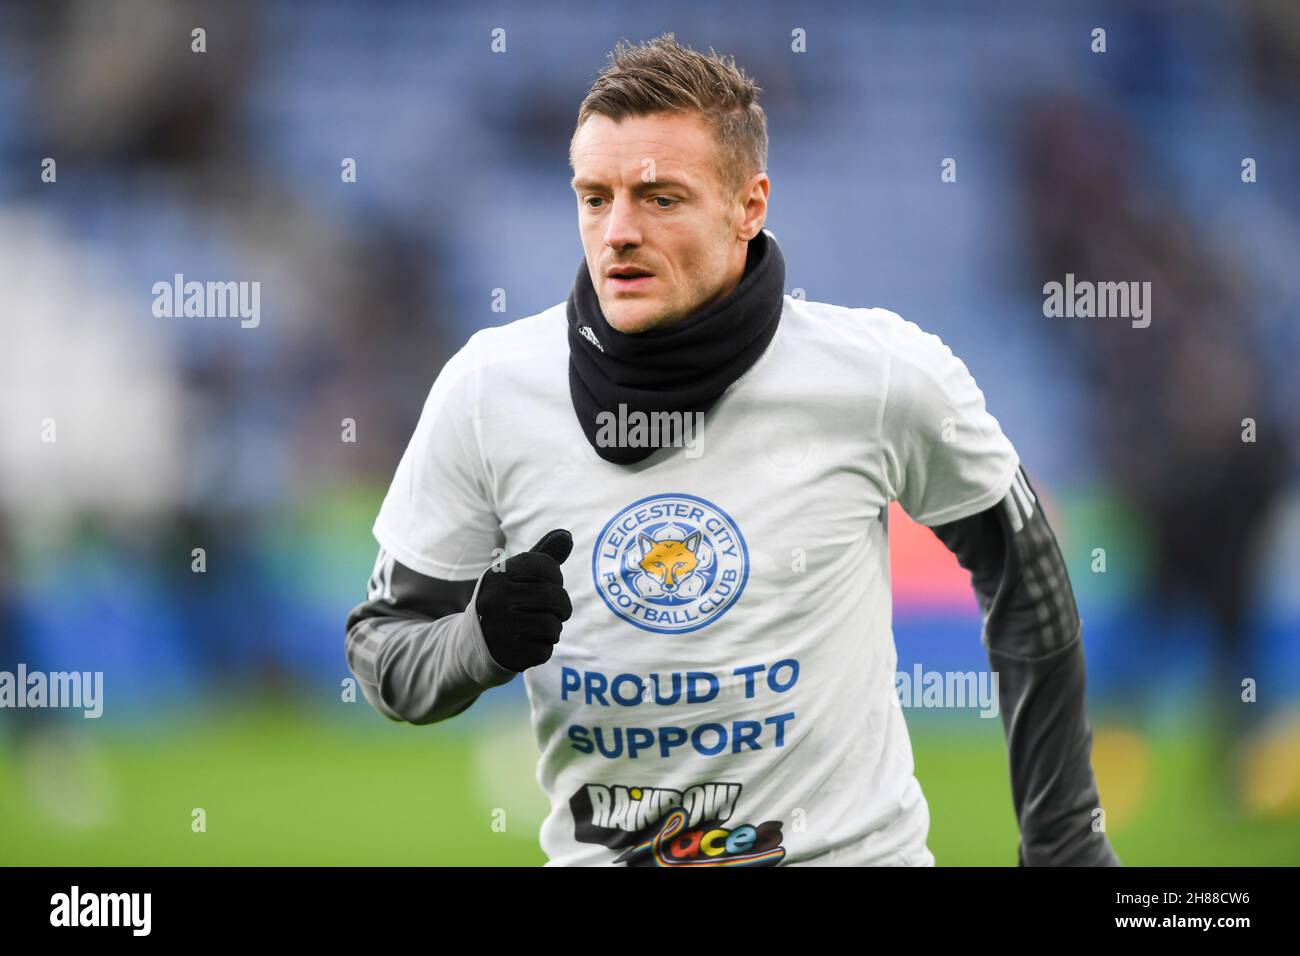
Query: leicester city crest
(670, 563)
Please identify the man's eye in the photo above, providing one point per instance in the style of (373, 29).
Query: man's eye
(671, 202)
(589, 199)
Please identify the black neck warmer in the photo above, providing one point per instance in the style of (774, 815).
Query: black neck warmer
(684, 367)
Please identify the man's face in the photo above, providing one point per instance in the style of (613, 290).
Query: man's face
(649, 199)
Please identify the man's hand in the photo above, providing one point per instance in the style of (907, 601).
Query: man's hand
(522, 604)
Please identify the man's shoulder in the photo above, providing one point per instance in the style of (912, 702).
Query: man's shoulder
(880, 332)
(535, 336)
(839, 315)
(875, 347)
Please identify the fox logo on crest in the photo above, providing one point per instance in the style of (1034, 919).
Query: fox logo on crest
(670, 563)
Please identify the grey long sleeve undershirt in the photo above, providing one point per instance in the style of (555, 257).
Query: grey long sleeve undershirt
(1033, 636)
(416, 647)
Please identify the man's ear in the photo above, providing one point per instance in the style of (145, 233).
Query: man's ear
(753, 200)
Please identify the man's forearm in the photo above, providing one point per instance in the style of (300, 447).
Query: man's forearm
(1049, 746)
(416, 648)
(1033, 636)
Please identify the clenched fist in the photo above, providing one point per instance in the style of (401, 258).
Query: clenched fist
(522, 605)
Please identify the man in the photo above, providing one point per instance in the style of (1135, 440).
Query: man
(722, 693)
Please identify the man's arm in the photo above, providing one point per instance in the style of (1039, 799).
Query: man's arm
(418, 654)
(1033, 636)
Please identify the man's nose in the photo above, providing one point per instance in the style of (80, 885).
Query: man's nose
(621, 228)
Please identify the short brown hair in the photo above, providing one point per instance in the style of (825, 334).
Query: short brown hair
(661, 76)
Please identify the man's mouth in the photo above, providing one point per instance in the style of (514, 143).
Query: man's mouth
(629, 277)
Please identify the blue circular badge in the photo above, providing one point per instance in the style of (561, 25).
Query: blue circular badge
(670, 563)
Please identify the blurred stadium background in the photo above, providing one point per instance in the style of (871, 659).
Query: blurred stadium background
(223, 689)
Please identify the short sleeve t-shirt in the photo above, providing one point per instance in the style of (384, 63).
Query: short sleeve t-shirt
(724, 691)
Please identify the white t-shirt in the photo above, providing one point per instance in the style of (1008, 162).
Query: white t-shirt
(724, 691)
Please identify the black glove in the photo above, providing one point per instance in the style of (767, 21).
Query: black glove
(522, 604)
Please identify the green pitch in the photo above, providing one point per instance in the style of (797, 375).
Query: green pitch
(284, 786)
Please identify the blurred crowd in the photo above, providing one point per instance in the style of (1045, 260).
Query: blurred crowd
(177, 434)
